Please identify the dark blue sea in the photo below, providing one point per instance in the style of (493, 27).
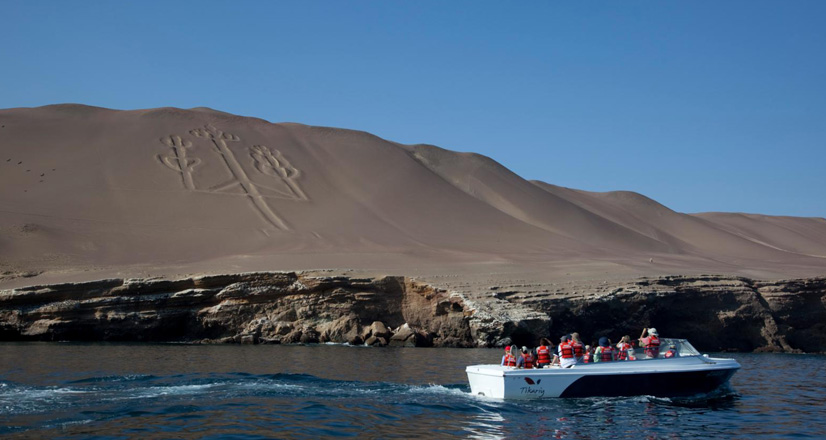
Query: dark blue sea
(114, 391)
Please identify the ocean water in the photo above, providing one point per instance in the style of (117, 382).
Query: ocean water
(113, 391)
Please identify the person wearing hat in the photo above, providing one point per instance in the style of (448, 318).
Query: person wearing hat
(526, 359)
(509, 360)
(565, 351)
(604, 353)
(650, 343)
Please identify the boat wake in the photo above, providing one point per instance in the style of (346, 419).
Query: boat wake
(114, 396)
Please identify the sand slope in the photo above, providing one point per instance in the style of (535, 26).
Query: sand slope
(84, 188)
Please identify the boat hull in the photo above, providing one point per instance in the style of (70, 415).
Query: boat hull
(658, 377)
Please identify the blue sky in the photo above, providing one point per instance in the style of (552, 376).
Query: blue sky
(701, 105)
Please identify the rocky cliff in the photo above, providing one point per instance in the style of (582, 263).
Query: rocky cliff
(241, 308)
(714, 312)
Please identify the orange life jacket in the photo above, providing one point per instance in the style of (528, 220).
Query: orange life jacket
(653, 347)
(578, 348)
(586, 357)
(607, 354)
(527, 361)
(622, 353)
(543, 355)
(510, 360)
(670, 353)
(566, 351)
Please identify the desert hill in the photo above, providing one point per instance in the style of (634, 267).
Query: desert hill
(86, 191)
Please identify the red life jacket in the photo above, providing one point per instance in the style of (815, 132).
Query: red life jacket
(566, 351)
(527, 361)
(543, 355)
(606, 354)
(653, 347)
(622, 353)
(578, 348)
(670, 353)
(510, 360)
(586, 357)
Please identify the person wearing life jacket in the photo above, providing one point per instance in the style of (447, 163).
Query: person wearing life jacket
(650, 343)
(604, 353)
(565, 351)
(632, 355)
(543, 353)
(578, 346)
(526, 359)
(509, 360)
(588, 356)
(622, 348)
(672, 351)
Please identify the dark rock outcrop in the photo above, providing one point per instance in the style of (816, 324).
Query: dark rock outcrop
(716, 313)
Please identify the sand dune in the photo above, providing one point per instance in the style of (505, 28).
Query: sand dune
(85, 188)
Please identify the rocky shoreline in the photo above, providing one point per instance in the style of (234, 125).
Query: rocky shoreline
(717, 313)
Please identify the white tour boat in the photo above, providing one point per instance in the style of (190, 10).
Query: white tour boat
(686, 374)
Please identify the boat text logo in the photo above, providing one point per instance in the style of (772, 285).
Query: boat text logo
(530, 389)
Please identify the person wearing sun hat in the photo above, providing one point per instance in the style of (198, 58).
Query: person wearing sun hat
(650, 343)
(604, 353)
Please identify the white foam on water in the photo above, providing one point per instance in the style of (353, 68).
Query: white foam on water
(68, 391)
(270, 386)
(38, 393)
(24, 400)
(438, 389)
(485, 399)
(175, 390)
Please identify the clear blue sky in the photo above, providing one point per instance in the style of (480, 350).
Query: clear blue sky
(701, 105)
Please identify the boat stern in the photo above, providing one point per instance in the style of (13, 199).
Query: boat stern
(486, 380)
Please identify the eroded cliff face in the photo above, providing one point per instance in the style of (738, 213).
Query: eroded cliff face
(242, 308)
(714, 312)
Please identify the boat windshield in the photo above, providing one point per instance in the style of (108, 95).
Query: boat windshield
(683, 347)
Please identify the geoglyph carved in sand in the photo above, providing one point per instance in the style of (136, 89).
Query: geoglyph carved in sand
(269, 162)
(178, 160)
(272, 163)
